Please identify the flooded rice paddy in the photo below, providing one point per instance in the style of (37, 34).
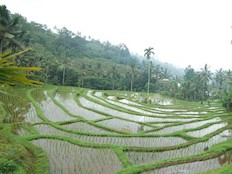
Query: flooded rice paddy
(195, 167)
(88, 132)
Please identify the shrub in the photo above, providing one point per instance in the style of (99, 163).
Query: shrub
(227, 101)
(7, 166)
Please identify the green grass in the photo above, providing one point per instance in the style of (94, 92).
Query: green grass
(26, 157)
(227, 169)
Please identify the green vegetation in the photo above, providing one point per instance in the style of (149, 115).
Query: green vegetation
(18, 155)
(148, 53)
(61, 129)
(227, 101)
(11, 75)
(49, 134)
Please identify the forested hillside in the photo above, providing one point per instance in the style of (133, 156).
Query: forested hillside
(69, 58)
(72, 59)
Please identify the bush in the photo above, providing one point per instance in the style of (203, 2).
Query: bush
(7, 166)
(227, 101)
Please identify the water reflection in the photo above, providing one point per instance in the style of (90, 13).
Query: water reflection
(208, 130)
(66, 99)
(195, 149)
(125, 126)
(65, 158)
(52, 112)
(124, 141)
(172, 129)
(89, 104)
(195, 167)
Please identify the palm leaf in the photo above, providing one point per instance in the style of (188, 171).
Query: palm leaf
(11, 75)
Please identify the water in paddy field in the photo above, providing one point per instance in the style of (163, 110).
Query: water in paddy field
(68, 158)
(122, 141)
(195, 149)
(123, 115)
(67, 100)
(122, 125)
(195, 167)
(172, 129)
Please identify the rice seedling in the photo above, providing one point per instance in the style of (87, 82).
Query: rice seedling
(65, 157)
(123, 141)
(85, 132)
(84, 127)
(51, 111)
(49, 130)
(193, 167)
(123, 125)
(195, 149)
(15, 106)
(66, 99)
(208, 130)
(91, 105)
(31, 116)
(172, 129)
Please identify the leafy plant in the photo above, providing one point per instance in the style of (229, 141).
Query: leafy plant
(7, 166)
(12, 75)
(227, 101)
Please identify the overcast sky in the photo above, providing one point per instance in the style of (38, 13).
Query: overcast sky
(182, 32)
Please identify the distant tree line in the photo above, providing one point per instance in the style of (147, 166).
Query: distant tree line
(69, 58)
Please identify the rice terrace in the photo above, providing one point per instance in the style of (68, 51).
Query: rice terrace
(87, 131)
(132, 87)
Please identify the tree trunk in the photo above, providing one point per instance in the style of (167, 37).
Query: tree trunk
(132, 79)
(63, 78)
(82, 83)
(46, 75)
(113, 84)
(148, 81)
(1, 45)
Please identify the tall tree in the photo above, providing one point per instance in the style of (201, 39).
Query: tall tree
(147, 53)
(8, 28)
(188, 87)
(66, 61)
(228, 80)
(132, 72)
(205, 75)
(219, 77)
(114, 75)
(157, 72)
(165, 74)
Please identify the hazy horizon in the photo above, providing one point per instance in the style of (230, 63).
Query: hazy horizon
(181, 32)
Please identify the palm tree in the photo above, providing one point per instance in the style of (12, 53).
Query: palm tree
(220, 78)
(228, 80)
(114, 73)
(99, 70)
(132, 65)
(8, 28)
(157, 72)
(147, 53)
(205, 75)
(83, 74)
(165, 74)
(66, 62)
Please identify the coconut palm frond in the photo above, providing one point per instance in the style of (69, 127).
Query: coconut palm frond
(12, 75)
